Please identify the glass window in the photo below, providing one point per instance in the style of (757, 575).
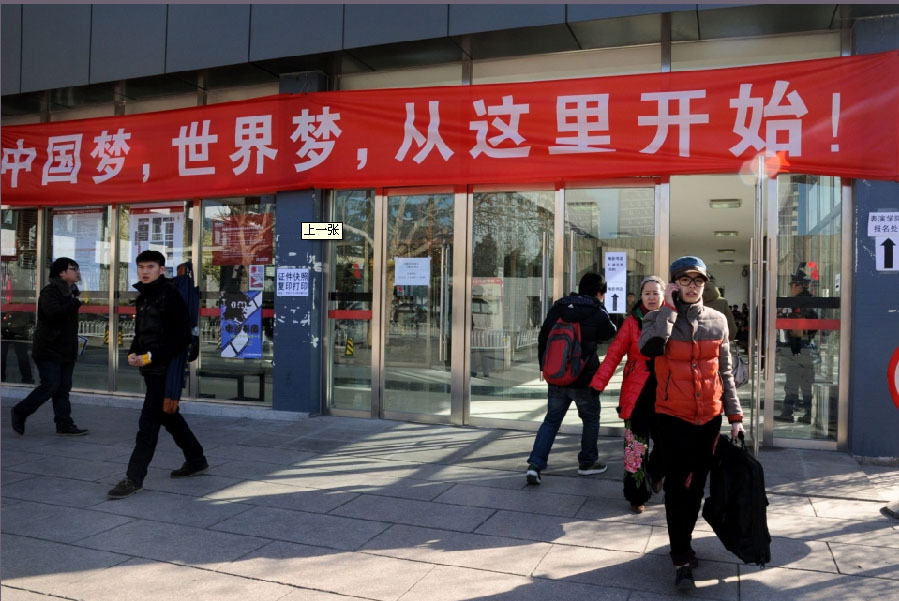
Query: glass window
(350, 300)
(715, 54)
(809, 268)
(440, 75)
(18, 280)
(566, 65)
(166, 227)
(237, 299)
(83, 234)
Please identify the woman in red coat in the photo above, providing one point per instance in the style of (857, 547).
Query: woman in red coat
(636, 405)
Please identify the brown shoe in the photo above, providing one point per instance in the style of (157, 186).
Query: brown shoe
(638, 508)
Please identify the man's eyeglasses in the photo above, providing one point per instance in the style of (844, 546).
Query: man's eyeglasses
(73, 268)
(686, 280)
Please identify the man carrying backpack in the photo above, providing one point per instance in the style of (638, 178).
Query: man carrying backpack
(161, 332)
(585, 309)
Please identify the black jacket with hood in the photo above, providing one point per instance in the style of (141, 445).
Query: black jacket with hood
(161, 323)
(596, 327)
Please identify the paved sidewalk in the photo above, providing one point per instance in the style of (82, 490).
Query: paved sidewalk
(337, 509)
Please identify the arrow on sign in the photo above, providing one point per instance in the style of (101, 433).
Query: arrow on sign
(614, 303)
(888, 245)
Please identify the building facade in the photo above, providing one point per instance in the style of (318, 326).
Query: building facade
(426, 307)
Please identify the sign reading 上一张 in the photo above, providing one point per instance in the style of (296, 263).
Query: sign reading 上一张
(321, 231)
(616, 277)
(241, 318)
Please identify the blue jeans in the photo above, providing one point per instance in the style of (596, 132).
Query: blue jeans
(56, 382)
(559, 399)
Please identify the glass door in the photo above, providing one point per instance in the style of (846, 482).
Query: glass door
(84, 234)
(611, 231)
(19, 279)
(511, 291)
(164, 227)
(718, 219)
(350, 304)
(803, 289)
(416, 300)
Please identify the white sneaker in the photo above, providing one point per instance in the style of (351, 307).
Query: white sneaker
(591, 468)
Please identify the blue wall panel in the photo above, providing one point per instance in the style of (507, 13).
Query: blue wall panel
(56, 44)
(475, 18)
(372, 24)
(297, 371)
(11, 57)
(127, 41)
(207, 35)
(873, 418)
(294, 29)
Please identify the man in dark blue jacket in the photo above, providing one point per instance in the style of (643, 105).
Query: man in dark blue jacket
(55, 349)
(586, 308)
(161, 331)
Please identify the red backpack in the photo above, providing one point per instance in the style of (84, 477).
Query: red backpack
(562, 360)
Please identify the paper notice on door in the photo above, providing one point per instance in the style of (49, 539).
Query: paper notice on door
(412, 272)
(616, 277)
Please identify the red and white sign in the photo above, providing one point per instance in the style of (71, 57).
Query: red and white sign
(893, 377)
(242, 239)
(836, 116)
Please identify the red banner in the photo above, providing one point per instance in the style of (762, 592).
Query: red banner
(837, 116)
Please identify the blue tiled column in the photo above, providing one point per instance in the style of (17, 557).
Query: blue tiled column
(297, 366)
(873, 418)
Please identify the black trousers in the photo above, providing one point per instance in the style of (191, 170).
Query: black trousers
(641, 428)
(687, 458)
(20, 348)
(56, 382)
(151, 418)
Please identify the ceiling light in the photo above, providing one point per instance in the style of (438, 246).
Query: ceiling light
(726, 233)
(726, 261)
(725, 203)
(727, 251)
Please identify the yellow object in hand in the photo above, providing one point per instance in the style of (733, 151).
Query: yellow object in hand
(145, 359)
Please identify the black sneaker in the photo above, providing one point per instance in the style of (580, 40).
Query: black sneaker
(805, 419)
(786, 416)
(123, 489)
(533, 474)
(187, 469)
(18, 422)
(683, 579)
(588, 469)
(71, 430)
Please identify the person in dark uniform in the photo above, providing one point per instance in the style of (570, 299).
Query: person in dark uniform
(796, 355)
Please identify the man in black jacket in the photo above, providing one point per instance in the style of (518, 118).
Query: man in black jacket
(161, 331)
(586, 307)
(55, 349)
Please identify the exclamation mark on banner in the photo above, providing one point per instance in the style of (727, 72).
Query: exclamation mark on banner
(835, 120)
